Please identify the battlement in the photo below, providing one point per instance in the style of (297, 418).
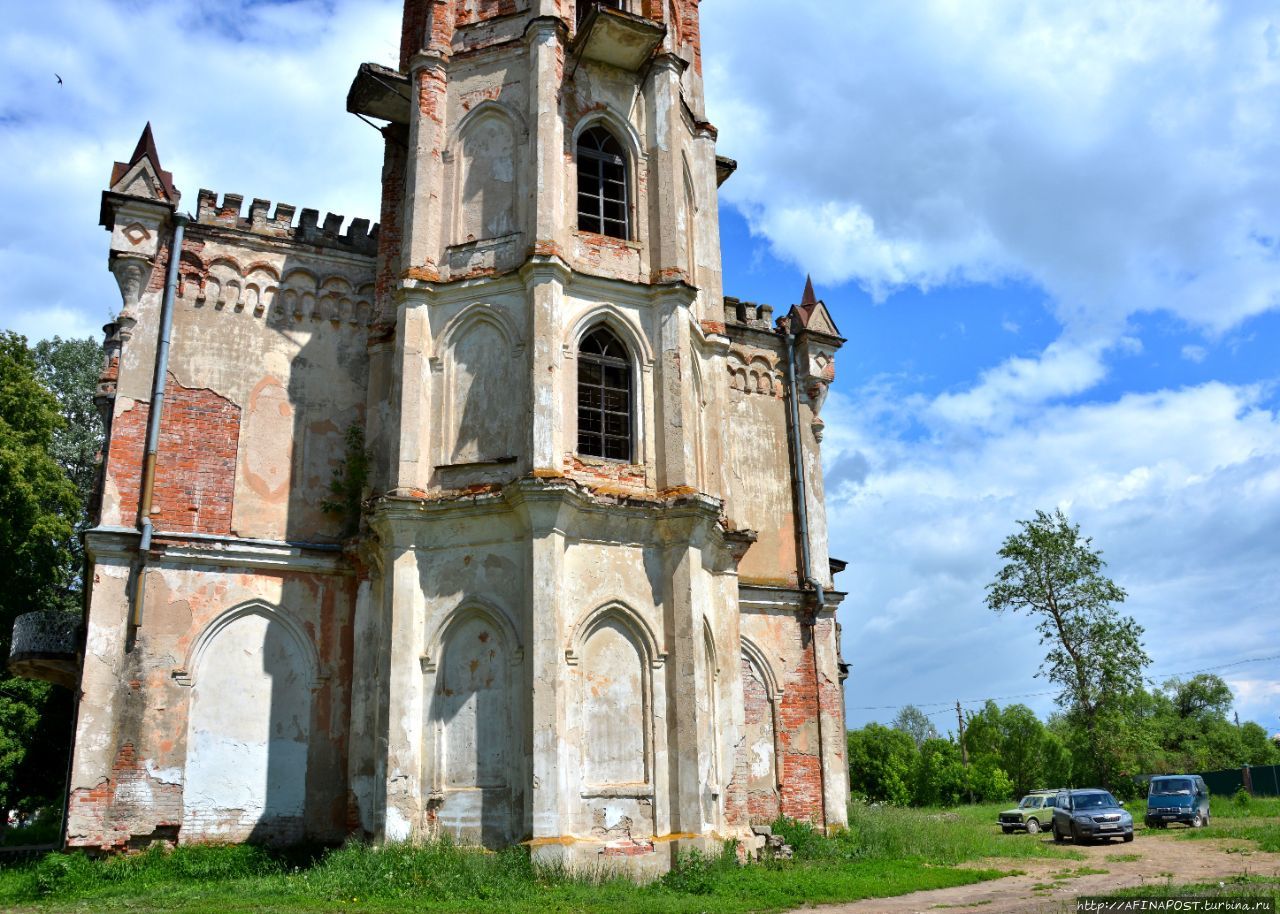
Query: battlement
(748, 314)
(359, 238)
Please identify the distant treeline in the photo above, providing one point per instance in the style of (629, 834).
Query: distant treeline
(1183, 726)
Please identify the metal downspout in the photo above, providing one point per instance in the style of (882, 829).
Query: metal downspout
(800, 495)
(158, 383)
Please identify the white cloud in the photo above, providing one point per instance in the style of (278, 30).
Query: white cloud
(1194, 353)
(1003, 393)
(1119, 153)
(1180, 488)
(244, 97)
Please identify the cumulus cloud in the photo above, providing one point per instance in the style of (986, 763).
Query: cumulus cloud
(1119, 153)
(1180, 488)
(245, 97)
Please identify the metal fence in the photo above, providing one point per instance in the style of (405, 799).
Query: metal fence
(1261, 782)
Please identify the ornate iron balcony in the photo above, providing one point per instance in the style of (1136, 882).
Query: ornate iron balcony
(46, 645)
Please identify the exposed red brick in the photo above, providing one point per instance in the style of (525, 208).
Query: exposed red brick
(799, 757)
(606, 478)
(469, 11)
(195, 464)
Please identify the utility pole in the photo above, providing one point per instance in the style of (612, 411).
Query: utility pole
(964, 753)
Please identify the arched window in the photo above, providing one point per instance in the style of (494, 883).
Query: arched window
(602, 184)
(604, 397)
(584, 7)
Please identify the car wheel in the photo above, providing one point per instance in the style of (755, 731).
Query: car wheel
(1128, 837)
(1006, 829)
(1033, 827)
(1075, 835)
(1196, 821)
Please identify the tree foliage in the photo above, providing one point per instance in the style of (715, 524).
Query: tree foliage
(40, 509)
(880, 764)
(38, 504)
(69, 369)
(1024, 749)
(916, 724)
(1095, 654)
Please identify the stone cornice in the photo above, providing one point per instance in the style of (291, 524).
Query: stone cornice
(547, 505)
(211, 551)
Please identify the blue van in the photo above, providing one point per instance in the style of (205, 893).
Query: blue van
(1177, 798)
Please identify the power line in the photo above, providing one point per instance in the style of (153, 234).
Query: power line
(946, 705)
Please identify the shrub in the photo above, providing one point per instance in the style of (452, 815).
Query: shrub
(1242, 798)
(696, 873)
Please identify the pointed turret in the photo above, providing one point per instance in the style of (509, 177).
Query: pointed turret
(809, 297)
(142, 175)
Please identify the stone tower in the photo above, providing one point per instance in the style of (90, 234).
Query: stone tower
(577, 593)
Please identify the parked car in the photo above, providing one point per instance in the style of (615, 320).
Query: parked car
(1090, 815)
(1031, 815)
(1177, 798)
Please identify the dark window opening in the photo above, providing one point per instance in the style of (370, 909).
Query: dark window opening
(584, 7)
(604, 397)
(602, 185)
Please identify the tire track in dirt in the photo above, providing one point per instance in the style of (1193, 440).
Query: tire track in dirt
(1048, 886)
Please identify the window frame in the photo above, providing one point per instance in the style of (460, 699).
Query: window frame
(596, 164)
(583, 7)
(602, 389)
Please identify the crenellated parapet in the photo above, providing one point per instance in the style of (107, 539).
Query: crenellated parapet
(359, 238)
(748, 314)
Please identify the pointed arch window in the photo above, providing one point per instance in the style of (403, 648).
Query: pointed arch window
(602, 185)
(604, 397)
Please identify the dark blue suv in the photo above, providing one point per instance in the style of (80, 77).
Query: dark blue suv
(1090, 815)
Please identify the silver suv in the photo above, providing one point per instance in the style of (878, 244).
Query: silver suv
(1090, 815)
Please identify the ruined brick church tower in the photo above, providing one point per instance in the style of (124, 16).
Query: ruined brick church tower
(497, 521)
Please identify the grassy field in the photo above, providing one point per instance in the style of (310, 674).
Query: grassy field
(1257, 820)
(1236, 888)
(885, 852)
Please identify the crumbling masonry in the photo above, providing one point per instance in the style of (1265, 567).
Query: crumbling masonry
(588, 603)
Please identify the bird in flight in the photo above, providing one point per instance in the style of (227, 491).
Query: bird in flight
(58, 78)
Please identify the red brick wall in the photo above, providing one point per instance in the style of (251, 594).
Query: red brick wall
(478, 10)
(391, 231)
(753, 800)
(128, 808)
(195, 465)
(413, 29)
(799, 754)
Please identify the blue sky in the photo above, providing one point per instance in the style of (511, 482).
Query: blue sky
(1048, 231)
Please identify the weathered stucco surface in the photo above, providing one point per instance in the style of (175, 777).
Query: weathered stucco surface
(507, 640)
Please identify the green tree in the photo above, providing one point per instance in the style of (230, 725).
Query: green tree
(39, 509)
(1201, 698)
(988, 782)
(916, 724)
(1258, 749)
(1018, 743)
(881, 761)
(69, 369)
(939, 778)
(1095, 654)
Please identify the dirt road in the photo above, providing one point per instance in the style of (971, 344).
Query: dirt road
(1052, 885)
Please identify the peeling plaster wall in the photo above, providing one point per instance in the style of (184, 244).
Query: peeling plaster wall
(247, 688)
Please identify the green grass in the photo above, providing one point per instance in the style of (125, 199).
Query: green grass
(1264, 832)
(885, 852)
(1235, 887)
